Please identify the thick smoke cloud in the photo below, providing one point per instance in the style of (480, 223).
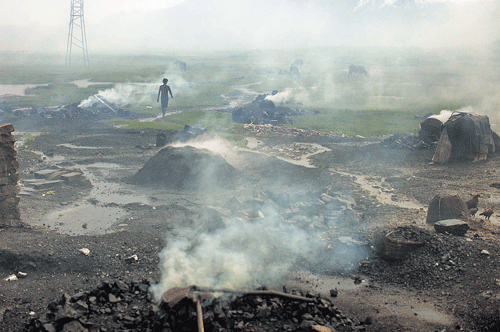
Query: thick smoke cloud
(242, 255)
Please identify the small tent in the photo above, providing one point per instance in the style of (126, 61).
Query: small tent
(465, 136)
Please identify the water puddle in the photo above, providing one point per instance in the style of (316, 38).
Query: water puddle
(83, 219)
(102, 208)
(380, 191)
(71, 146)
(87, 82)
(16, 89)
(106, 192)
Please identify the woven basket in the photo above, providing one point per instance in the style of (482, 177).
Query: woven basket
(394, 249)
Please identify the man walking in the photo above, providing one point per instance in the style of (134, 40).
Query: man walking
(164, 91)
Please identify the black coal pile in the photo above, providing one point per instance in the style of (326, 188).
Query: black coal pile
(100, 110)
(186, 168)
(264, 111)
(120, 306)
(407, 141)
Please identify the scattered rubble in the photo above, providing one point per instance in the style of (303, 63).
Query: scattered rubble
(407, 141)
(268, 129)
(297, 151)
(50, 178)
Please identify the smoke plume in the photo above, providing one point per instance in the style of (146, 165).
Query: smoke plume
(241, 255)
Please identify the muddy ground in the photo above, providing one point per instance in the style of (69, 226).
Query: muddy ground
(449, 284)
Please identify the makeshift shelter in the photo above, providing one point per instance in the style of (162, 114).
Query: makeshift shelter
(430, 128)
(465, 136)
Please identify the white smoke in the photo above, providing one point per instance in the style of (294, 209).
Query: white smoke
(123, 95)
(281, 97)
(239, 256)
(295, 95)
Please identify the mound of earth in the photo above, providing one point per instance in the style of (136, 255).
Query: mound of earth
(186, 168)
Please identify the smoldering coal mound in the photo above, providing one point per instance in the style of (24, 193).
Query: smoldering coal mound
(186, 168)
(121, 306)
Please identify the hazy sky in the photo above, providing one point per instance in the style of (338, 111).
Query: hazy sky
(177, 24)
(54, 12)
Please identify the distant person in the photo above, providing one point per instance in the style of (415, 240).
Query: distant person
(164, 90)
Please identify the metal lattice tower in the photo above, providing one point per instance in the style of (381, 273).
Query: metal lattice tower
(76, 35)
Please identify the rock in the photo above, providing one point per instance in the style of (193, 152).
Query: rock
(213, 218)
(74, 326)
(444, 207)
(66, 313)
(320, 328)
(307, 317)
(326, 198)
(306, 324)
(49, 327)
(72, 177)
(233, 205)
(121, 286)
(452, 226)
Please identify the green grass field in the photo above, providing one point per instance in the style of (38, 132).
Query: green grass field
(400, 85)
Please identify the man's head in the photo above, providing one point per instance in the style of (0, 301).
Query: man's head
(165, 81)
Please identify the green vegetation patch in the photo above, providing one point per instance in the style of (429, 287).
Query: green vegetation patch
(369, 123)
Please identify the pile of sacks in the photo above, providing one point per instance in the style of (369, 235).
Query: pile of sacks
(9, 178)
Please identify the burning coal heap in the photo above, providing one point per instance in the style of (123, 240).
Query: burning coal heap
(98, 109)
(120, 306)
(185, 168)
(264, 111)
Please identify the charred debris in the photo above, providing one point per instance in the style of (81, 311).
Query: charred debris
(101, 109)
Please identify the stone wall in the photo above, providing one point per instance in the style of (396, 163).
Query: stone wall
(9, 178)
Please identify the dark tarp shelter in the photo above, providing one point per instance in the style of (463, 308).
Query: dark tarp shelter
(465, 136)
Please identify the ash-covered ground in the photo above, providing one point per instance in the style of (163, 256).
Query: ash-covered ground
(301, 212)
